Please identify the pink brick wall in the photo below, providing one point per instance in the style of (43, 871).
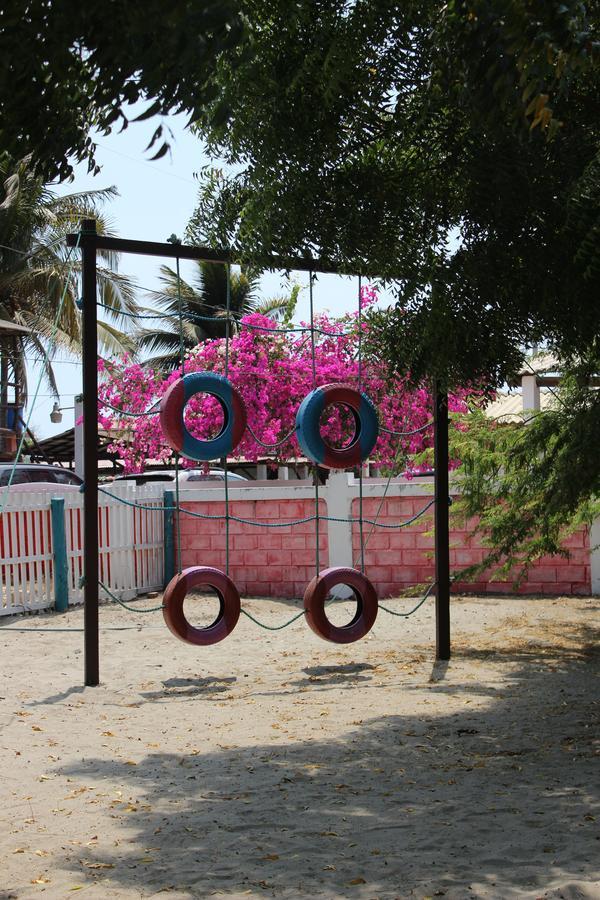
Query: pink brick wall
(280, 562)
(398, 558)
(266, 562)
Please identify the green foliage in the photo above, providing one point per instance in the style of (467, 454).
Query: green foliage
(205, 298)
(69, 67)
(204, 310)
(531, 484)
(454, 150)
(397, 140)
(34, 268)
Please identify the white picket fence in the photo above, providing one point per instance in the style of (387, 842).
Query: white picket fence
(131, 545)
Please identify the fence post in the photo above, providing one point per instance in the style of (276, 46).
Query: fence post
(169, 544)
(59, 554)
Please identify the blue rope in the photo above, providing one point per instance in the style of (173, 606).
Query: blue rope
(406, 433)
(196, 317)
(278, 443)
(197, 515)
(125, 412)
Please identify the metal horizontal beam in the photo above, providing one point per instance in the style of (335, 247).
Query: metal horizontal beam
(205, 254)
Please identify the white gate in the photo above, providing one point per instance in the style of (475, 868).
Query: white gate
(131, 544)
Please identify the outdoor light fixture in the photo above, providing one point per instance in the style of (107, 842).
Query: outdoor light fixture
(57, 411)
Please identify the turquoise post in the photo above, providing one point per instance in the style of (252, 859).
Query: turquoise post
(59, 554)
(169, 532)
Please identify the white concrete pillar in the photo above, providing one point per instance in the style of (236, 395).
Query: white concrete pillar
(531, 393)
(339, 505)
(261, 472)
(283, 473)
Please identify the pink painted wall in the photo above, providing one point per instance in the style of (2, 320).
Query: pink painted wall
(267, 562)
(279, 562)
(398, 558)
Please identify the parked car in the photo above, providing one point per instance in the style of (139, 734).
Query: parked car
(186, 476)
(37, 474)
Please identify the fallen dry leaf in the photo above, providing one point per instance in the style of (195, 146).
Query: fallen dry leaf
(96, 865)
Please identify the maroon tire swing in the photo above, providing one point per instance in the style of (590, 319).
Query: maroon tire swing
(366, 600)
(229, 605)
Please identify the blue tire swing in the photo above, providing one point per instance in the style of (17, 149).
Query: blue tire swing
(172, 409)
(366, 432)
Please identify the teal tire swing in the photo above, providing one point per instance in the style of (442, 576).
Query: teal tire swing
(366, 432)
(172, 408)
(308, 427)
(234, 424)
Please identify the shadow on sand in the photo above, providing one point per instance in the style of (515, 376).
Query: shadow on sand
(483, 802)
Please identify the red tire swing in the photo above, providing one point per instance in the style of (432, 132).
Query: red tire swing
(234, 424)
(229, 605)
(316, 594)
(366, 430)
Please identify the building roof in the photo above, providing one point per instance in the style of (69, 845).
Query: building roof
(508, 406)
(539, 364)
(61, 447)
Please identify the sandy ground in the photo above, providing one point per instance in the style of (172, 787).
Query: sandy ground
(277, 765)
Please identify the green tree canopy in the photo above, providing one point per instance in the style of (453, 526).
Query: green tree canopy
(69, 67)
(454, 147)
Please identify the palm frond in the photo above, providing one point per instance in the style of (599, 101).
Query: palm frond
(115, 342)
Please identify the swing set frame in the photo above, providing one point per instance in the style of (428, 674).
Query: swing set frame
(89, 241)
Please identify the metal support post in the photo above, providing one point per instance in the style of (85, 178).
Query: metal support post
(442, 528)
(90, 453)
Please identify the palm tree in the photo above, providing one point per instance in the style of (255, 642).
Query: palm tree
(203, 307)
(35, 271)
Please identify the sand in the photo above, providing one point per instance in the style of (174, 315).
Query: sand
(277, 765)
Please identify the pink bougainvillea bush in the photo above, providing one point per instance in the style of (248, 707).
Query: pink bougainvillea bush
(273, 372)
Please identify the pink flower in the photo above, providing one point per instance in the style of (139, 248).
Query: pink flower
(273, 372)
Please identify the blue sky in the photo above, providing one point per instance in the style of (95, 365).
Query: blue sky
(157, 200)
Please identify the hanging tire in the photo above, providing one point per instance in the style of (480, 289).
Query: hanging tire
(308, 429)
(172, 408)
(366, 600)
(229, 606)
